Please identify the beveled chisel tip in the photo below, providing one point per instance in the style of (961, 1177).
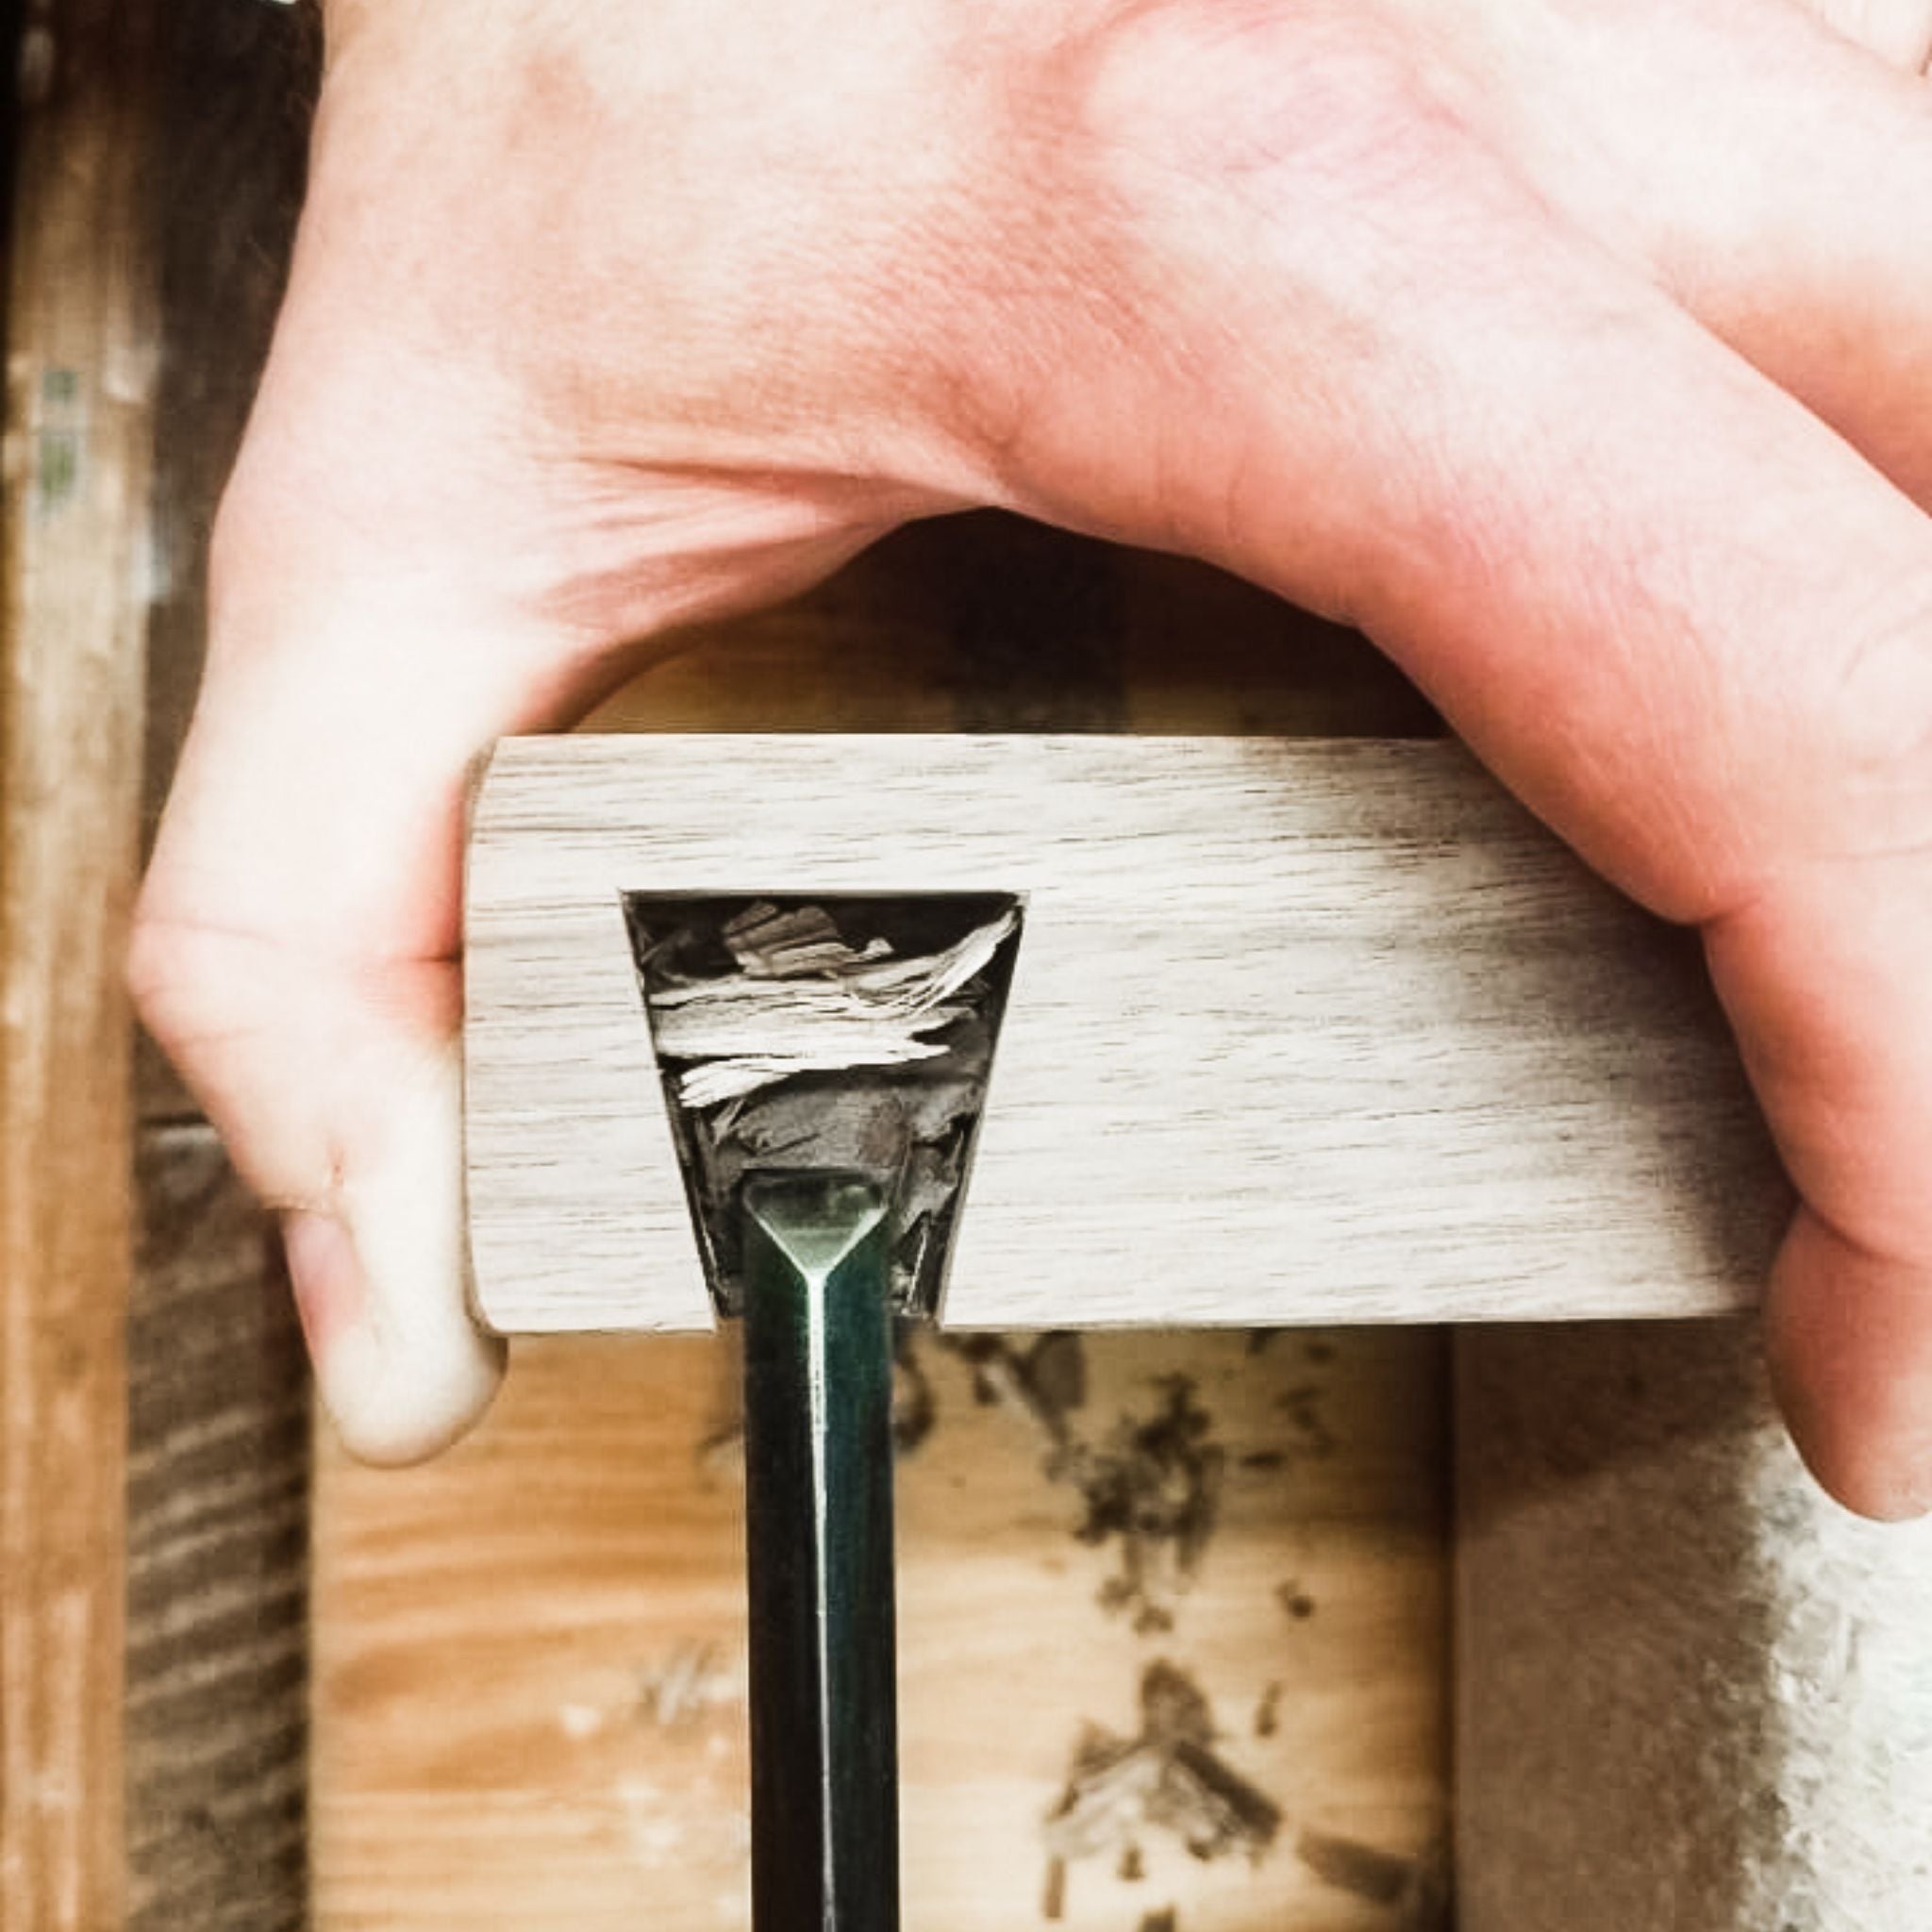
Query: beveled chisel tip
(814, 1219)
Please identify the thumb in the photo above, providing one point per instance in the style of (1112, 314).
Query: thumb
(412, 560)
(295, 953)
(396, 582)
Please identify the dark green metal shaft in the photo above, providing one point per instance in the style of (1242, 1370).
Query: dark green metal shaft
(817, 1388)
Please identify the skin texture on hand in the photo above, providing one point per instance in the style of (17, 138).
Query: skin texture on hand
(1579, 351)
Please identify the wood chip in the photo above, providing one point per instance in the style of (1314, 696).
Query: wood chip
(803, 1001)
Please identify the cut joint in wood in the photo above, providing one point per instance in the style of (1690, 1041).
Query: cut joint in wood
(785, 1048)
(1298, 1031)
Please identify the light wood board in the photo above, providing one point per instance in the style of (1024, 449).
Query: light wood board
(530, 1656)
(1298, 1032)
(79, 394)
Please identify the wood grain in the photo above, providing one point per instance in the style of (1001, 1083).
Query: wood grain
(1297, 1032)
(217, 1693)
(217, 1550)
(80, 387)
(530, 1654)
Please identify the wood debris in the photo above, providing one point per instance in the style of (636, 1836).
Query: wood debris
(1154, 1489)
(802, 1000)
(1169, 1779)
(854, 1035)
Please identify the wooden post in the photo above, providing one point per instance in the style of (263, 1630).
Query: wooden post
(215, 1749)
(80, 378)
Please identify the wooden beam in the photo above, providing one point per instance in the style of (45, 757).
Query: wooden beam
(219, 1427)
(80, 382)
(1298, 1032)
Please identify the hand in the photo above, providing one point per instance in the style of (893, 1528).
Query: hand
(1578, 350)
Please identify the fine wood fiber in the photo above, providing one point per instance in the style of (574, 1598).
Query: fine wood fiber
(1299, 1031)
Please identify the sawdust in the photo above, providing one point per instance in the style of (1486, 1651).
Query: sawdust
(1303, 1406)
(1153, 1489)
(1150, 1488)
(1268, 1712)
(1167, 1780)
(1044, 1381)
(1416, 1892)
(1295, 1601)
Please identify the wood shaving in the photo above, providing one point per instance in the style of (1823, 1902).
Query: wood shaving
(804, 1000)
(1169, 1779)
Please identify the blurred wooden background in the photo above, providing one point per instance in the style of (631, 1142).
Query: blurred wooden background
(244, 1684)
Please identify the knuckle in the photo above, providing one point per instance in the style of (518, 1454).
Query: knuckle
(196, 988)
(1255, 92)
(209, 1007)
(1871, 730)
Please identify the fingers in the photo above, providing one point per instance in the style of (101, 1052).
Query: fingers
(1678, 614)
(1322, 334)
(1718, 680)
(1827, 981)
(1764, 167)
(1683, 620)
(488, 464)
(296, 942)
(1820, 270)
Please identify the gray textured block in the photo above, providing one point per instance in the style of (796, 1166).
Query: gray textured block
(1694, 1695)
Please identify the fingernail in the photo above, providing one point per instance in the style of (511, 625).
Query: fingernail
(401, 1366)
(331, 1292)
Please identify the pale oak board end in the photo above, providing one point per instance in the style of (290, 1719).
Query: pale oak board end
(1300, 1031)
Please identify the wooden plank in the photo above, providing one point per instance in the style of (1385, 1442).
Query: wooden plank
(530, 1656)
(80, 386)
(1298, 1032)
(218, 1541)
(1690, 1690)
(218, 1496)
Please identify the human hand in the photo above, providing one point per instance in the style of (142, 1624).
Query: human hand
(1578, 353)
